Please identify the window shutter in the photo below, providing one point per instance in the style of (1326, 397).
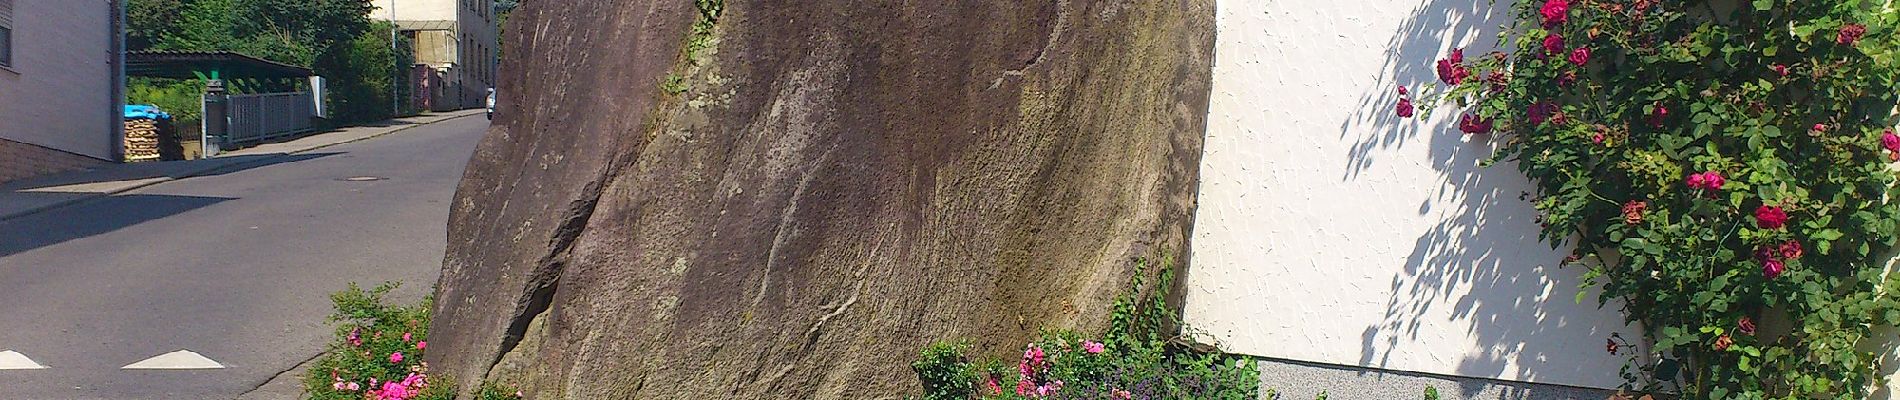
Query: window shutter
(6, 13)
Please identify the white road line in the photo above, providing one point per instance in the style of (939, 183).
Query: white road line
(14, 360)
(182, 359)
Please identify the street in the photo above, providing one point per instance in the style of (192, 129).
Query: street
(234, 267)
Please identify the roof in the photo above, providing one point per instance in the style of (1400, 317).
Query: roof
(214, 64)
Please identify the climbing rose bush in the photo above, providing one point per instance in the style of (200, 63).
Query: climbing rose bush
(1717, 165)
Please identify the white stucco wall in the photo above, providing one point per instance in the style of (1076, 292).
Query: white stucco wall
(475, 46)
(58, 93)
(1331, 231)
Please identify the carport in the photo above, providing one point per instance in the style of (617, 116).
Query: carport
(247, 100)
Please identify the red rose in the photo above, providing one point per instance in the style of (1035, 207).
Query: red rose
(1770, 217)
(1555, 12)
(1772, 268)
(1567, 79)
(1452, 69)
(1656, 117)
(1746, 326)
(1696, 181)
(1404, 108)
(1890, 141)
(1850, 33)
(1780, 69)
(1540, 112)
(1554, 44)
(1472, 124)
(1765, 253)
(1580, 56)
(1723, 342)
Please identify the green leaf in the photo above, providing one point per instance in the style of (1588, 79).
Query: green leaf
(1765, 5)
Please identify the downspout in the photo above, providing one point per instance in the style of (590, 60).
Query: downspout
(116, 29)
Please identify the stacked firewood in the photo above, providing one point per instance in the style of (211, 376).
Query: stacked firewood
(141, 139)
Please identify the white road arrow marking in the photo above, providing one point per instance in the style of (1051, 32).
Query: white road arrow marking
(14, 360)
(182, 359)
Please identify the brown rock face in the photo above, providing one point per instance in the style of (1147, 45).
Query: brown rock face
(791, 203)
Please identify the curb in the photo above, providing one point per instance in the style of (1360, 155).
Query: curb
(212, 169)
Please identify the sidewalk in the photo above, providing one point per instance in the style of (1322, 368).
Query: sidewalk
(36, 194)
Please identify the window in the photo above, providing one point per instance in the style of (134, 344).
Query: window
(6, 33)
(6, 46)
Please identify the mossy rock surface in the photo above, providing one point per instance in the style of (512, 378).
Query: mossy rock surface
(815, 192)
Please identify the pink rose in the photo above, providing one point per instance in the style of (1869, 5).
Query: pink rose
(1555, 12)
(1780, 69)
(1890, 140)
(1093, 347)
(1770, 217)
(1746, 326)
(1819, 128)
(395, 358)
(1772, 268)
(422, 345)
(406, 337)
(1580, 56)
(1714, 180)
(1697, 181)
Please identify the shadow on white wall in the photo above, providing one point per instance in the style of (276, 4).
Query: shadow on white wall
(1484, 259)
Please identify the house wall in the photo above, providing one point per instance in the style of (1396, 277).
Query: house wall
(1331, 232)
(58, 94)
(468, 58)
(416, 10)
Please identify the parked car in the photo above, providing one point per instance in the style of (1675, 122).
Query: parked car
(491, 104)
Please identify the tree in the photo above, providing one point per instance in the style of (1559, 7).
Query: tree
(329, 36)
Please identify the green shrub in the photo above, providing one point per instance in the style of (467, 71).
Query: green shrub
(1137, 358)
(1717, 164)
(377, 353)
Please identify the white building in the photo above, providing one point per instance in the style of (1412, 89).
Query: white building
(456, 38)
(59, 86)
(1375, 254)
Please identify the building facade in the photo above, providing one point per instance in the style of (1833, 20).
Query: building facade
(59, 85)
(457, 42)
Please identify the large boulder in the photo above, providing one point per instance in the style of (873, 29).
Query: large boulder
(788, 198)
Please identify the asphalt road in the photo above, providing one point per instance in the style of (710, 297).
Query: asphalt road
(236, 267)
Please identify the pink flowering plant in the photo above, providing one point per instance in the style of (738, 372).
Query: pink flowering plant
(1715, 164)
(377, 354)
(1135, 359)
